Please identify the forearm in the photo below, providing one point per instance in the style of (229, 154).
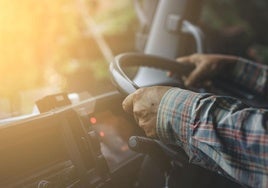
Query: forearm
(218, 133)
(248, 74)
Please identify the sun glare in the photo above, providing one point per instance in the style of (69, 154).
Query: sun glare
(41, 40)
(28, 33)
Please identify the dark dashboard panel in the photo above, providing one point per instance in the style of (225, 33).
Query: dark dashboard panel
(33, 151)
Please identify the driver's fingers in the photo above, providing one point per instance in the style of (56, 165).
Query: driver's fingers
(197, 75)
(185, 60)
(128, 103)
(187, 66)
(188, 63)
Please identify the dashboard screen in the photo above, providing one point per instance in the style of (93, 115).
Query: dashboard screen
(31, 149)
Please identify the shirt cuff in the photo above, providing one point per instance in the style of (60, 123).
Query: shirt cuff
(176, 115)
(250, 75)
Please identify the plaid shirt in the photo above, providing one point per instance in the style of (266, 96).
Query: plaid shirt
(218, 132)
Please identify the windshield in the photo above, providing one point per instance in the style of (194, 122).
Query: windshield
(54, 46)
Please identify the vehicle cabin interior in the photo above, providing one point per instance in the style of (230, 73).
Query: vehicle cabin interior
(95, 144)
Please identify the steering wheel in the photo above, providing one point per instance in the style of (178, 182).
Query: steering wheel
(122, 81)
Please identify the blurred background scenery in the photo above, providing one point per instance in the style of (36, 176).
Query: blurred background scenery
(47, 47)
(54, 46)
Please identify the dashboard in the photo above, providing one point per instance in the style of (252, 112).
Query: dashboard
(83, 145)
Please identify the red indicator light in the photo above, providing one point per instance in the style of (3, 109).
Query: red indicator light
(124, 148)
(93, 120)
(102, 134)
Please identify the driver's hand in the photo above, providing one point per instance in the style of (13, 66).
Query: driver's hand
(206, 66)
(143, 104)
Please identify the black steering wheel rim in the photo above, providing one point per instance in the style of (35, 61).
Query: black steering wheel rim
(124, 84)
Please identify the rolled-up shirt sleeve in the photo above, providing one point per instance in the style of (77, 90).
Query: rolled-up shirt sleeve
(248, 74)
(219, 133)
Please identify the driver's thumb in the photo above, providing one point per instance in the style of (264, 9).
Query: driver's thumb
(184, 60)
(128, 103)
